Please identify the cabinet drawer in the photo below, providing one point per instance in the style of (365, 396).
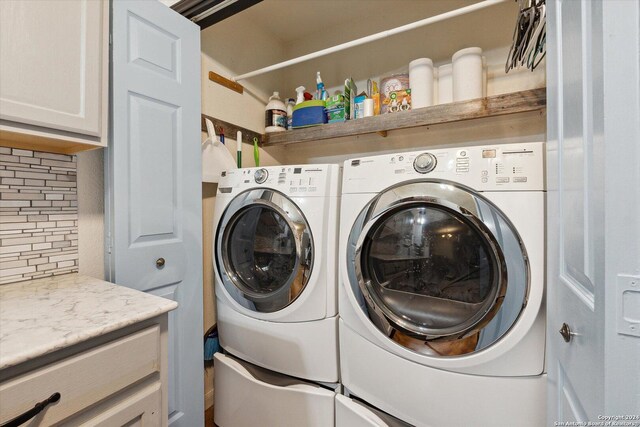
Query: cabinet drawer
(137, 409)
(84, 379)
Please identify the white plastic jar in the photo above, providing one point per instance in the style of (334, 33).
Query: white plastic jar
(468, 81)
(421, 82)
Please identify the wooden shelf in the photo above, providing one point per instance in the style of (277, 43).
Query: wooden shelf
(492, 106)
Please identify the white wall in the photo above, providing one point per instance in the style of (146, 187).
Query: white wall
(245, 110)
(91, 213)
(220, 55)
(529, 127)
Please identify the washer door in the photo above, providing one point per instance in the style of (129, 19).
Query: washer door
(264, 250)
(437, 268)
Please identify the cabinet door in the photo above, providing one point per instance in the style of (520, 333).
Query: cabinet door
(53, 63)
(154, 182)
(593, 211)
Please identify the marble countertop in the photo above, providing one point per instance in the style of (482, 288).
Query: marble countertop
(44, 315)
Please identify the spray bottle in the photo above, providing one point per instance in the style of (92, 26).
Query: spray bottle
(321, 93)
(300, 91)
(290, 104)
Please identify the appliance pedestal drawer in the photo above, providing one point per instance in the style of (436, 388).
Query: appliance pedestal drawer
(247, 396)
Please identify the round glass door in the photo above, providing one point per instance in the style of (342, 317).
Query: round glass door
(440, 270)
(264, 251)
(430, 270)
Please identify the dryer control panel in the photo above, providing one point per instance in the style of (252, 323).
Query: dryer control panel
(295, 180)
(504, 167)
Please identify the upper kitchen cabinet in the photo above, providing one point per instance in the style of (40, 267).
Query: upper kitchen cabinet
(54, 74)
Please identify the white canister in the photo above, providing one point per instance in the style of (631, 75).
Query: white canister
(445, 84)
(421, 82)
(467, 74)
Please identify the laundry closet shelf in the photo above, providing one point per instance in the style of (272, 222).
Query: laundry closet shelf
(491, 106)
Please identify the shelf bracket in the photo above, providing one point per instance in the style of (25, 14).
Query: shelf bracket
(231, 130)
(223, 81)
(382, 133)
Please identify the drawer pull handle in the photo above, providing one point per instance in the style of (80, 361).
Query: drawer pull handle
(39, 407)
(160, 262)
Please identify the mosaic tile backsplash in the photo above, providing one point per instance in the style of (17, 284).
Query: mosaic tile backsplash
(38, 215)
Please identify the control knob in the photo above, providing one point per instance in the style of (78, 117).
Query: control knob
(425, 163)
(261, 175)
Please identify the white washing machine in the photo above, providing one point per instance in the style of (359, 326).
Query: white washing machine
(442, 285)
(275, 263)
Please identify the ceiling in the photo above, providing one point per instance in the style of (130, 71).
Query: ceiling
(291, 20)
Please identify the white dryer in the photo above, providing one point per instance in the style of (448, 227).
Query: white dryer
(275, 262)
(442, 285)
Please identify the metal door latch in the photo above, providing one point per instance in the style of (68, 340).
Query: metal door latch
(566, 333)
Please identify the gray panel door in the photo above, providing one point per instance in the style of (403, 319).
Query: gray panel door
(154, 181)
(593, 210)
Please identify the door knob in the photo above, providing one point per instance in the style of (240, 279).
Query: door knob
(160, 262)
(566, 333)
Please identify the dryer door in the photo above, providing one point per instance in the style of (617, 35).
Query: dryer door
(438, 268)
(264, 250)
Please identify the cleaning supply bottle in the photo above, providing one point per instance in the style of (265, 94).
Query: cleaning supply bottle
(290, 104)
(300, 91)
(321, 93)
(275, 116)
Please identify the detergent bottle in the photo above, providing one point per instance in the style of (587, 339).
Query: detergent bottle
(275, 116)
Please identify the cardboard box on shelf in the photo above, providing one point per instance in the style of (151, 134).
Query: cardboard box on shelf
(398, 100)
(335, 115)
(359, 106)
(393, 83)
(336, 101)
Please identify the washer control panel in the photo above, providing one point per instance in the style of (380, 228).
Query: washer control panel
(311, 180)
(510, 167)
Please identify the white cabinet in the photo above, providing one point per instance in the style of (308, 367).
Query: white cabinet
(54, 67)
(115, 380)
